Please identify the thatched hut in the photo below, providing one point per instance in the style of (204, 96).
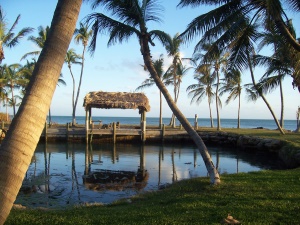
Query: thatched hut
(116, 100)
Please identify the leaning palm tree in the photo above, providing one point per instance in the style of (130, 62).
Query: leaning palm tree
(83, 34)
(24, 132)
(203, 87)
(131, 18)
(149, 82)
(7, 36)
(72, 58)
(228, 16)
(232, 85)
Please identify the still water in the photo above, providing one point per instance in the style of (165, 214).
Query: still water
(62, 175)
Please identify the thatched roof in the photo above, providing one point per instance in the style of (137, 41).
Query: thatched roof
(116, 100)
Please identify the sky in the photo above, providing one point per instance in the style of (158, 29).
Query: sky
(118, 68)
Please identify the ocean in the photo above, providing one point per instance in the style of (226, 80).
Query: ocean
(225, 123)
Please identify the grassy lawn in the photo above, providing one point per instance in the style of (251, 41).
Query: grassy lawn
(266, 197)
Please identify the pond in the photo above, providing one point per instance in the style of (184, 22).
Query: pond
(62, 175)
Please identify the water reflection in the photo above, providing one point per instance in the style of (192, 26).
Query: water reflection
(73, 173)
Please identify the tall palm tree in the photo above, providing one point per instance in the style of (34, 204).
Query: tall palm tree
(285, 61)
(13, 79)
(83, 34)
(7, 36)
(228, 16)
(173, 50)
(72, 58)
(17, 148)
(233, 86)
(149, 82)
(203, 87)
(131, 19)
(39, 41)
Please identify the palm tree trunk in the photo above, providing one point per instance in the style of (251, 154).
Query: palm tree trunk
(239, 110)
(262, 95)
(79, 85)
(17, 148)
(73, 96)
(210, 115)
(217, 102)
(160, 110)
(212, 171)
(282, 104)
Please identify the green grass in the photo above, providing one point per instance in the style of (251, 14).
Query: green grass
(265, 197)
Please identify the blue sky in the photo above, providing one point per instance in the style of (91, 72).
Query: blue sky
(118, 68)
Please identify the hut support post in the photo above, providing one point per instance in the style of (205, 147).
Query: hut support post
(143, 126)
(196, 122)
(87, 125)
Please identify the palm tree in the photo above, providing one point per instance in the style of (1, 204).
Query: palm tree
(82, 35)
(7, 36)
(71, 58)
(149, 82)
(172, 48)
(39, 41)
(24, 132)
(232, 85)
(131, 19)
(223, 24)
(12, 79)
(203, 87)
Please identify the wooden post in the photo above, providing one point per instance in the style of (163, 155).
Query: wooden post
(163, 132)
(87, 126)
(196, 122)
(114, 132)
(3, 125)
(143, 126)
(67, 131)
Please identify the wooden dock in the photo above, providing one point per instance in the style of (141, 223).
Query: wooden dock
(112, 134)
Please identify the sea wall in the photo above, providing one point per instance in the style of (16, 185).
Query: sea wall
(288, 153)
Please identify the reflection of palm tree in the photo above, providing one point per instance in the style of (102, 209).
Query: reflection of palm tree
(74, 176)
(132, 17)
(174, 177)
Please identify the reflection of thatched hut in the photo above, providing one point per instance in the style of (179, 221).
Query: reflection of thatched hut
(115, 180)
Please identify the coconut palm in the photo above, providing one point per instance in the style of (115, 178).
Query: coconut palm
(72, 58)
(83, 34)
(233, 86)
(7, 36)
(149, 82)
(12, 79)
(173, 50)
(223, 24)
(39, 41)
(132, 17)
(24, 132)
(203, 87)
(285, 61)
